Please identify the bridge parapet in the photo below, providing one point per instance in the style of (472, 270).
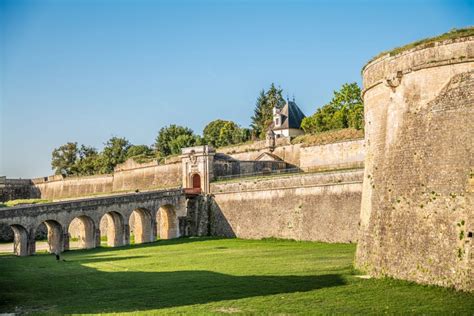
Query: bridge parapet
(155, 213)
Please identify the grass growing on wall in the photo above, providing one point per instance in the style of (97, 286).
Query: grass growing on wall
(12, 203)
(329, 137)
(213, 276)
(454, 33)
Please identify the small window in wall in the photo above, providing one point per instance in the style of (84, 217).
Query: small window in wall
(277, 122)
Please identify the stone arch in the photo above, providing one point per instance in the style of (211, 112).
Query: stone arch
(83, 228)
(196, 180)
(20, 240)
(141, 225)
(168, 222)
(56, 239)
(112, 225)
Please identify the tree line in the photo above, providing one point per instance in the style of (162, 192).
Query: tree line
(344, 110)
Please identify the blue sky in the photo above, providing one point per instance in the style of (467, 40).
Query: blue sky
(88, 70)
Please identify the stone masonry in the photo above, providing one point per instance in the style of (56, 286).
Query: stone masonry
(417, 214)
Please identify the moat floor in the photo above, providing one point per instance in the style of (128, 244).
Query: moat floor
(213, 276)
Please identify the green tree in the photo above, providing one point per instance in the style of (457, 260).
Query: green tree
(114, 153)
(88, 162)
(356, 117)
(263, 112)
(212, 131)
(64, 159)
(245, 134)
(274, 98)
(139, 150)
(183, 141)
(229, 134)
(258, 117)
(222, 133)
(166, 142)
(345, 110)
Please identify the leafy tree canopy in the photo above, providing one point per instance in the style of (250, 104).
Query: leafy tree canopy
(64, 159)
(212, 131)
(88, 162)
(220, 133)
(167, 142)
(345, 109)
(183, 141)
(139, 150)
(114, 153)
(229, 134)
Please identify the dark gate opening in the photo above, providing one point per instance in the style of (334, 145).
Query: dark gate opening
(196, 180)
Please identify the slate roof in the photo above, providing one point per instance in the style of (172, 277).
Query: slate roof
(291, 116)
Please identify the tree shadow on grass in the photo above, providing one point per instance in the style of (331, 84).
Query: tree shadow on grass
(89, 290)
(141, 291)
(159, 242)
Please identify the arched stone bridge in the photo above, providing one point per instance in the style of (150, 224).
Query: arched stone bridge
(156, 214)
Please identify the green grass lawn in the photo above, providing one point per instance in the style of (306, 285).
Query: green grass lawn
(207, 276)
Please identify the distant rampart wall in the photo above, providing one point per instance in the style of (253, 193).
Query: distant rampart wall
(137, 178)
(150, 177)
(53, 188)
(343, 154)
(132, 176)
(11, 189)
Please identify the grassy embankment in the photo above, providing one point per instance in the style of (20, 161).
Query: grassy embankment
(212, 276)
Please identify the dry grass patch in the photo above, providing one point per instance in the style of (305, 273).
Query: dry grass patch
(428, 42)
(328, 137)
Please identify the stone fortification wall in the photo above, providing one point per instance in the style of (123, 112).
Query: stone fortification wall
(311, 206)
(127, 177)
(13, 189)
(339, 155)
(417, 214)
(344, 154)
(223, 168)
(284, 150)
(148, 177)
(251, 147)
(132, 176)
(57, 187)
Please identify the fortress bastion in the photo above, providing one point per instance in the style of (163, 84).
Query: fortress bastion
(417, 213)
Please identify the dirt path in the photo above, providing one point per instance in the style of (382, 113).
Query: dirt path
(40, 246)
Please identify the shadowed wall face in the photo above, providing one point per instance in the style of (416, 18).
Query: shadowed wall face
(417, 204)
(20, 246)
